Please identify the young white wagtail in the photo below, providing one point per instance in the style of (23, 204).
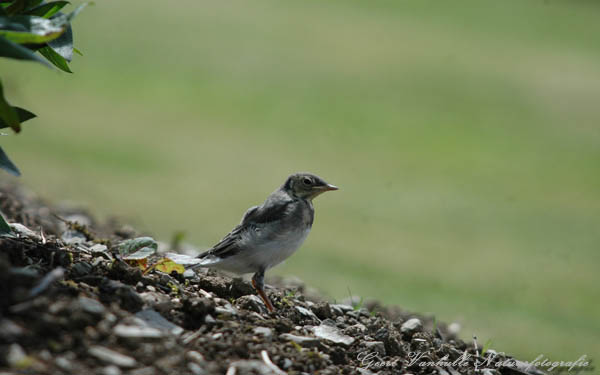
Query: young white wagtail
(268, 234)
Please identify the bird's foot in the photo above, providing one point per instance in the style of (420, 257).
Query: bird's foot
(263, 296)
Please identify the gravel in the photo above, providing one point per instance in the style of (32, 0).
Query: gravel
(69, 303)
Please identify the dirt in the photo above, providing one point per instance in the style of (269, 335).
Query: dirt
(70, 305)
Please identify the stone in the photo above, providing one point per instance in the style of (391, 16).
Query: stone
(156, 300)
(189, 274)
(111, 370)
(391, 339)
(332, 334)
(307, 313)
(322, 310)
(148, 370)
(9, 330)
(287, 363)
(251, 302)
(194, 356)
(98, 248)
(91, 306)
(196, 369)
(153, 319)
(137, 332)
(111, 356)
(23, 231)
(355, 330)
(64, 363)
(411, 326)
(263, 331)
(339, 309)
(214, 284)
(375, 346)
(124, 295)
(81, 269)
(249, 366)
(301, 340)
(240, 287)
(226, 310)
(16, 356)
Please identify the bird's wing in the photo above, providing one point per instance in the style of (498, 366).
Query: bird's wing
(270, 211)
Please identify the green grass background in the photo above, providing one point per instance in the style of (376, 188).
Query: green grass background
(465, 137)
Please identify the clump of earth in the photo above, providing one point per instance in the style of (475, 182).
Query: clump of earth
(71, 302)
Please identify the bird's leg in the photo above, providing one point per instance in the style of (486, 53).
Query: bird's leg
(258, 281)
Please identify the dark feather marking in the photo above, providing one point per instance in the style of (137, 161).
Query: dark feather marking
(268, 212)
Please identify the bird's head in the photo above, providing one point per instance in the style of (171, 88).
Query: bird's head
(306, 186)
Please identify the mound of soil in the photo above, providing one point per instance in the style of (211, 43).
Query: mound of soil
(70, 305)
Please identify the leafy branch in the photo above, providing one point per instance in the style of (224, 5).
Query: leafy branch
(32, 30)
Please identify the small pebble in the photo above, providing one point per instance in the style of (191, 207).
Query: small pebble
(264, 331)
(411, 325)
(111, 356)
(193, 355)
(111, 370)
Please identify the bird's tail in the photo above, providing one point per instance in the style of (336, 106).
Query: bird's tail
(202, 260)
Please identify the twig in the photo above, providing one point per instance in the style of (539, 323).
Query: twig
(50, 277)
(271, 365)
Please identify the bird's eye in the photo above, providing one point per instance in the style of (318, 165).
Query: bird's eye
(307, 181)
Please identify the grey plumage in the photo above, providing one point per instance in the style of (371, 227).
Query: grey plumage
(271, 232)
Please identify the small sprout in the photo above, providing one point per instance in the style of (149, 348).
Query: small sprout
(290, 293)
(297, 346)
(486, 346)
(355, 305)
(174, 288)
(177, 239)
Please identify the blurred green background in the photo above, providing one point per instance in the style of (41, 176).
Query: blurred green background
(465, 137)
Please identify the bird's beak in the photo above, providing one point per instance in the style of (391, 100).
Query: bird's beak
(321, 189)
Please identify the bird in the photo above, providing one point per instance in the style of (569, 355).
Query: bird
(270, 233)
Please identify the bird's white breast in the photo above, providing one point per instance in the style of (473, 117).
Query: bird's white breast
(273, 250)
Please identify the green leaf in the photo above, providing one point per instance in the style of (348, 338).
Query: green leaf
(19, 6)
(23, 37)
(32, 29)
(131, 246)
(7, 113)
(33, 3)
(142, 253)
(55, 58)
(23, 115)
(77, 51)
(63, 45)
(8, 165)
(16, 7)
(15, 51)
(4, 227)
(47, 10)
